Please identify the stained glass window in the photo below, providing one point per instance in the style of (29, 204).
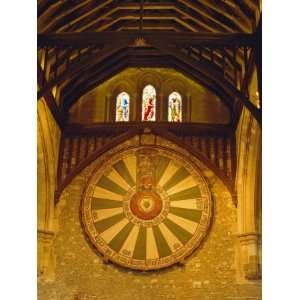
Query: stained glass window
(122, 107)
(175, 108)
(149, 103)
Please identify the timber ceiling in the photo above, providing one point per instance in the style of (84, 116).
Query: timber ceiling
(81, 43)
(119, 15)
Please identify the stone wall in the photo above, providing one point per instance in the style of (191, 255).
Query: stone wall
(210, 273)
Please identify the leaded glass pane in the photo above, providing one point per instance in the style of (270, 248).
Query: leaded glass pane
(175, 108)
(149, 103)
(122, 107)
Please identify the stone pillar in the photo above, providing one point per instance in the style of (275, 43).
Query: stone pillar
(161, 113)
(248, 196)
(45, 255)
(109, 109)
(139, 103)
(187, 109)
(134, 100)
(250, 255)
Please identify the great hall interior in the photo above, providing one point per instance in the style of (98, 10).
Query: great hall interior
(149, 149)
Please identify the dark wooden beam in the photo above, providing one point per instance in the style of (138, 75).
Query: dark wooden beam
(245, 9)
(204, 68)
(92, 15)
(180, 129)
(246, 80)
(220, 19)
(102, 72)
(86, 78)
(85, 39)
(168, 44)
(255, 59)
(49, 99)
(80, 65)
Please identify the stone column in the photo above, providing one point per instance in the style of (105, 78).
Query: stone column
(161, 113)
(133, 114)
(248, 196)
(250, 255)
(187, 109)
(109, 113)
(45, 255)
(139, 103)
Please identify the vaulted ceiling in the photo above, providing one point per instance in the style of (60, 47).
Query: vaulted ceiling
(81, 43)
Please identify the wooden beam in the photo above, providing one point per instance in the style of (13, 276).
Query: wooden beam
(86, 15)
(204, 68)
(85, 39)
(100, 76)
(230, 12)
(255, 58)
(161, 41)
(49, 99)
(103, 71)
(215, 19)
(69, 12)
(245, 83)
(74, 129)
(79, 66)
(91, 16)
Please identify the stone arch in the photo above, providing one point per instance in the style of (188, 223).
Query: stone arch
(154, 79)
(48, 136)
(149, 77)
(248, 186)
(115, 88)
(174, 85)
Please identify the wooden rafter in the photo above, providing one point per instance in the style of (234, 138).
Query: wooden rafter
(49, 98)
(102, 72)
(203, 68)
(80, 66)
(88, 41)
(210, 16)
(94, 67)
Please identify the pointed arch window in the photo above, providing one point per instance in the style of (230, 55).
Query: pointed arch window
(122, 107)
(175, 107)
(149, 103)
